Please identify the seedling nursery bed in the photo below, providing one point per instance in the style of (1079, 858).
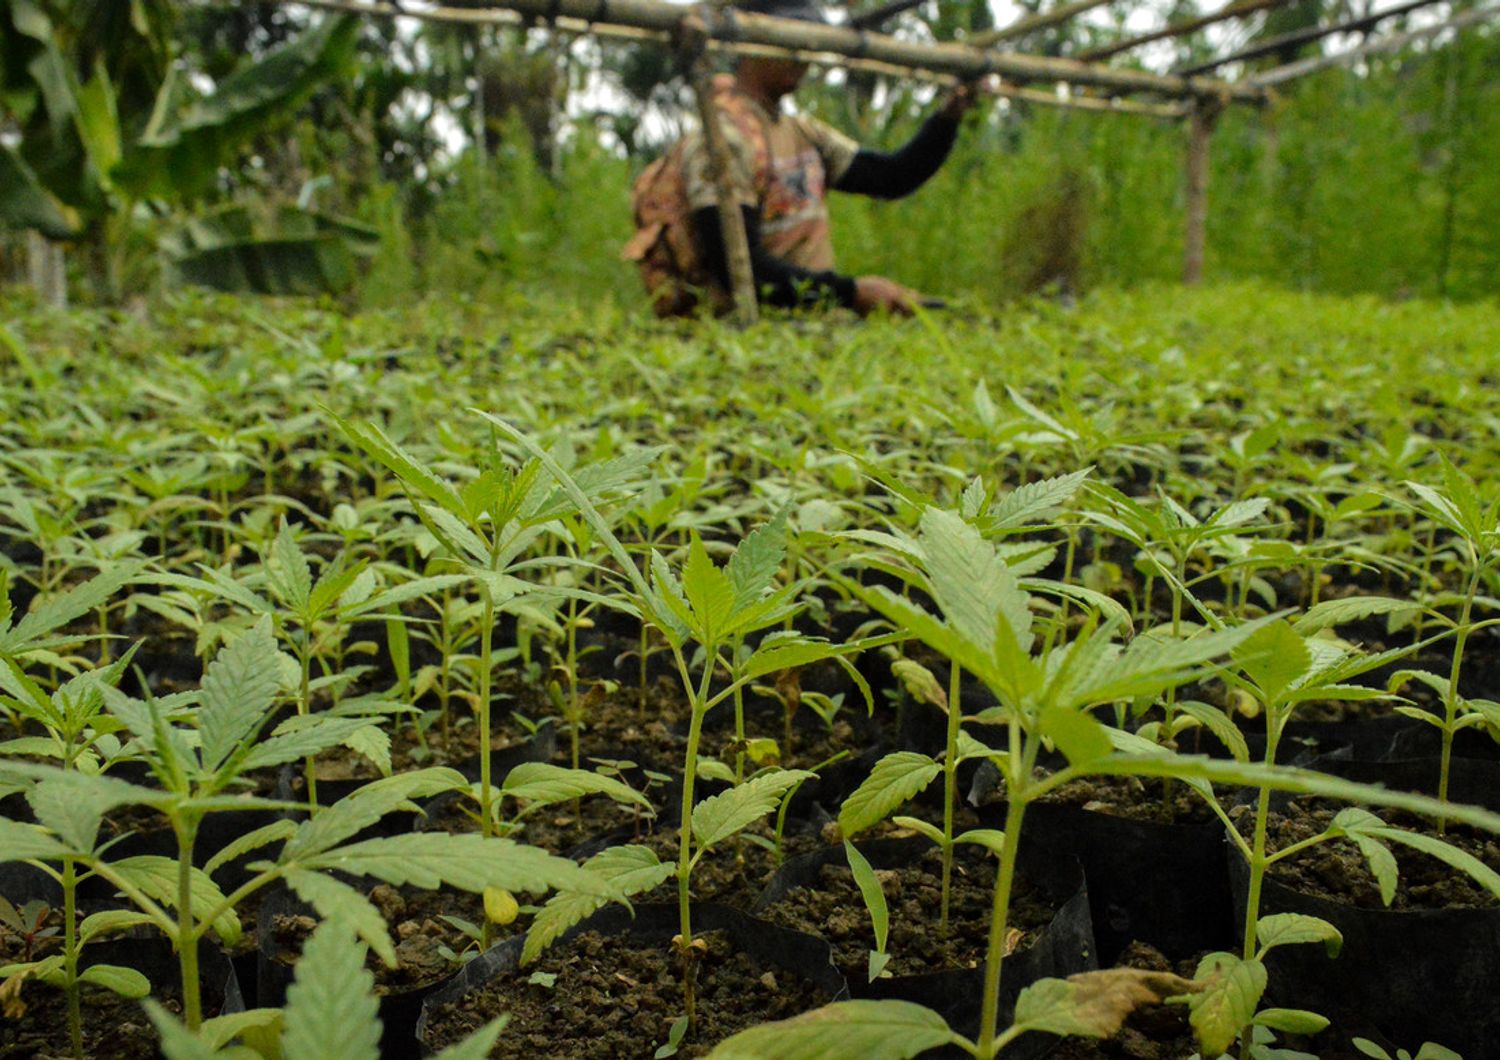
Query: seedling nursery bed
(1113, 680)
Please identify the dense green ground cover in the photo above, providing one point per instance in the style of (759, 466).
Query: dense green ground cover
(1151, 516)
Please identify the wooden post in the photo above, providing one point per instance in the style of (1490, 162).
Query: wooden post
(1201, 120)
(47, 270)
(731, 221)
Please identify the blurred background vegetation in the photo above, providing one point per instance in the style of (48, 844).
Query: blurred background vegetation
(261, 147)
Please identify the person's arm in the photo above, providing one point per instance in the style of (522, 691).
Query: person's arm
(894, 174)
(777, 281)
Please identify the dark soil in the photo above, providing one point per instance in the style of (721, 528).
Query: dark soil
(614, 999)
(417, 927)
(835, 910)
(1336, 870)
(1132, 798)
(113, 1028)
(735, 872)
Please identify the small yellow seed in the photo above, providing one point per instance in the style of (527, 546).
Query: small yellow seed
(500, 906)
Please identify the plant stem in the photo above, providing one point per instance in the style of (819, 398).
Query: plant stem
(187, 942)
(1450, 704)
(70, 956)
(1258, 861)
(950, 784)
(999, 919)
(685, 827)
(486, 633)
(304, 707)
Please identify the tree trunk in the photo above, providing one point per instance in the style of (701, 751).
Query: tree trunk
(1200, 128)
(46, 269)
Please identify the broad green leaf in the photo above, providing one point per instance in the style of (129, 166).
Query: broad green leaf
(337, 901)
(717, 818)
(541, 784)
(1077, 734)
(894, 780)
(631, 870)
(992, 839)
(1290, 1020)
(1093, 1004)
(870, 890)
(331, 1011)
(179, 157)
(108, 921)
(1231, 992)
(238, 690)
(468, 861)
(1290, 929)
(921, 827)
(25, 201)
(221, 1030)
(870, 1030)
(127, 982)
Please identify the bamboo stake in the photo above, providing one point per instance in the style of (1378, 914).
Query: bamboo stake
(1201, 121)
(1237, 9)
(961, 60)
(720, 163)
(1031, 23)
(1394, 42)
(1305, 36)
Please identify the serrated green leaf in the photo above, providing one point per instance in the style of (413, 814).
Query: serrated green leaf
(318, 733)
(373, 743)
(1220, 724)
(717, 818)
(467, 861)
(1332, 613)
(57, 611)
(252, 840)
(1291, 929)
(337, 901)
(871, 1030)
(895, 779)
(238, 690)
(1033, 502)
(709, 593)
(177, 1042)
(156, 877)
(1274, 658)
(752, 569)
(972, 586)
(1076, 733)
(630, 869)
(20, 841)
(478, 1045)
(1450, 855)
(331, 1012)
(541, 784)
(365, 806)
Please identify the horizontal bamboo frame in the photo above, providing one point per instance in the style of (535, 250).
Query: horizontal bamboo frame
(1299, 37)
(728, 30)
(1395, 42)
(1237, 9)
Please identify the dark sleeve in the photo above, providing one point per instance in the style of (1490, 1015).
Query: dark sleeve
(891, 175)
(777, 282)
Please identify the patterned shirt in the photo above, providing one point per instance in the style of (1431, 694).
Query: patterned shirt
(782, 165)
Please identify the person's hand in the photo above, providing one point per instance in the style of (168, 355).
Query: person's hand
(874, 293)
(962, 98)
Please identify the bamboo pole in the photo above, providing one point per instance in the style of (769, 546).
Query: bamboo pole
(720, 163)
(1201, 120)
(46, 269)
(664, 19)
(1236, 9)
(1395, 42)
(1305, 36)
(884, 13)
(1031, 23)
